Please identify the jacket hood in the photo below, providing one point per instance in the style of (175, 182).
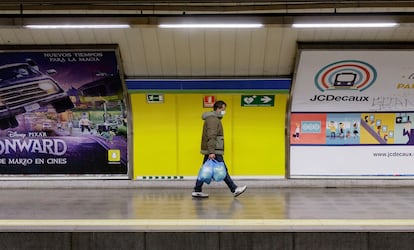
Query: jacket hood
(205, 115)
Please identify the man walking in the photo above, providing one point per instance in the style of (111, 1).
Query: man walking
(212, 147)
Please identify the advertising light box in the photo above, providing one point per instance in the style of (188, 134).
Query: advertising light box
(351, 114)
(63, 112)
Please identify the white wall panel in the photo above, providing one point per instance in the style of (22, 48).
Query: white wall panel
(227, 52)
(10, 37)
(148, 51)
(212, 53)
(351, 35)
(242, 62)
(337, 34)
(369, 34)
(86, 36)
(71, 36)
(151, 51)
(322, 35)
(257, 51)
(288, 53)
(304, 35)
(40, 37)
(272, 51)
(385, 34)
(168, 54)
(182, 46)
(118, 37)
(55, 36)
(410, 36)
(197, 53)
(102, 35)
(24, 37)
(401, 34)
(134, 58)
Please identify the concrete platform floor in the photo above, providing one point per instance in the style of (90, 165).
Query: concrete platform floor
(159, 207)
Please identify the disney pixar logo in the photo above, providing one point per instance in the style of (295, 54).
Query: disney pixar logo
(346, 75)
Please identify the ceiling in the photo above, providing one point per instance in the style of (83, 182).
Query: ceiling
(150, 52)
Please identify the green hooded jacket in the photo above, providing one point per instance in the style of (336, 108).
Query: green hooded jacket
(212, 140)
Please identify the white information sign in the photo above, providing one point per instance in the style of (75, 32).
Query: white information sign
(343, 81)
(354, 161)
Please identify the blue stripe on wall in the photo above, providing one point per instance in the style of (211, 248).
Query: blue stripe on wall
(217, 84)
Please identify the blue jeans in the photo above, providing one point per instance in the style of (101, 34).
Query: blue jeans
(199, 184)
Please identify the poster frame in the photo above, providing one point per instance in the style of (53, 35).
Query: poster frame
(80, 47)
(329, 46)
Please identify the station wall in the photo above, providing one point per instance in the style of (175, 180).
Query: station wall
(167, 136)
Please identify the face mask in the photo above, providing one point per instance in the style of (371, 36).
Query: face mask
(222, 113)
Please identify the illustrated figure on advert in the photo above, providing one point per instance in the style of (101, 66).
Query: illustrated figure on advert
(212, 147)
(84, 123)
(408, 131)
(332, 128)
(70, 127)
(379, 130)
(341, 129)
(355, 129)
(108, 135)
(297, 132)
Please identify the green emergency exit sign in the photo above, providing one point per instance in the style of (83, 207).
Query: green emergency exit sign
(155, 98)
(258, 100)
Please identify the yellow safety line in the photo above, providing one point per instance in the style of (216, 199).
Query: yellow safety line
(208, 222)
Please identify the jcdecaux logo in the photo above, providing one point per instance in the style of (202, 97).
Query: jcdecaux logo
(346, 75)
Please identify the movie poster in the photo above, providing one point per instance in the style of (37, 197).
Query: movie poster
(63, 112)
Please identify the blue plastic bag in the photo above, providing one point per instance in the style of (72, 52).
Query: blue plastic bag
(206, 172)
(219, 170)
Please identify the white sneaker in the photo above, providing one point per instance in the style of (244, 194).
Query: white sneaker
(199, 195)
(239, 191)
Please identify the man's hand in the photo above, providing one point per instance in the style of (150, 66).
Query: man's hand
(212, 156)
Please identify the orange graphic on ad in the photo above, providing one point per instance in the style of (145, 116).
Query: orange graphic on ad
(308, 128)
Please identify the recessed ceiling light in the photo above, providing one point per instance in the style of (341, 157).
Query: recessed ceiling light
(77, 26)
(343, 25)
(211, 25)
